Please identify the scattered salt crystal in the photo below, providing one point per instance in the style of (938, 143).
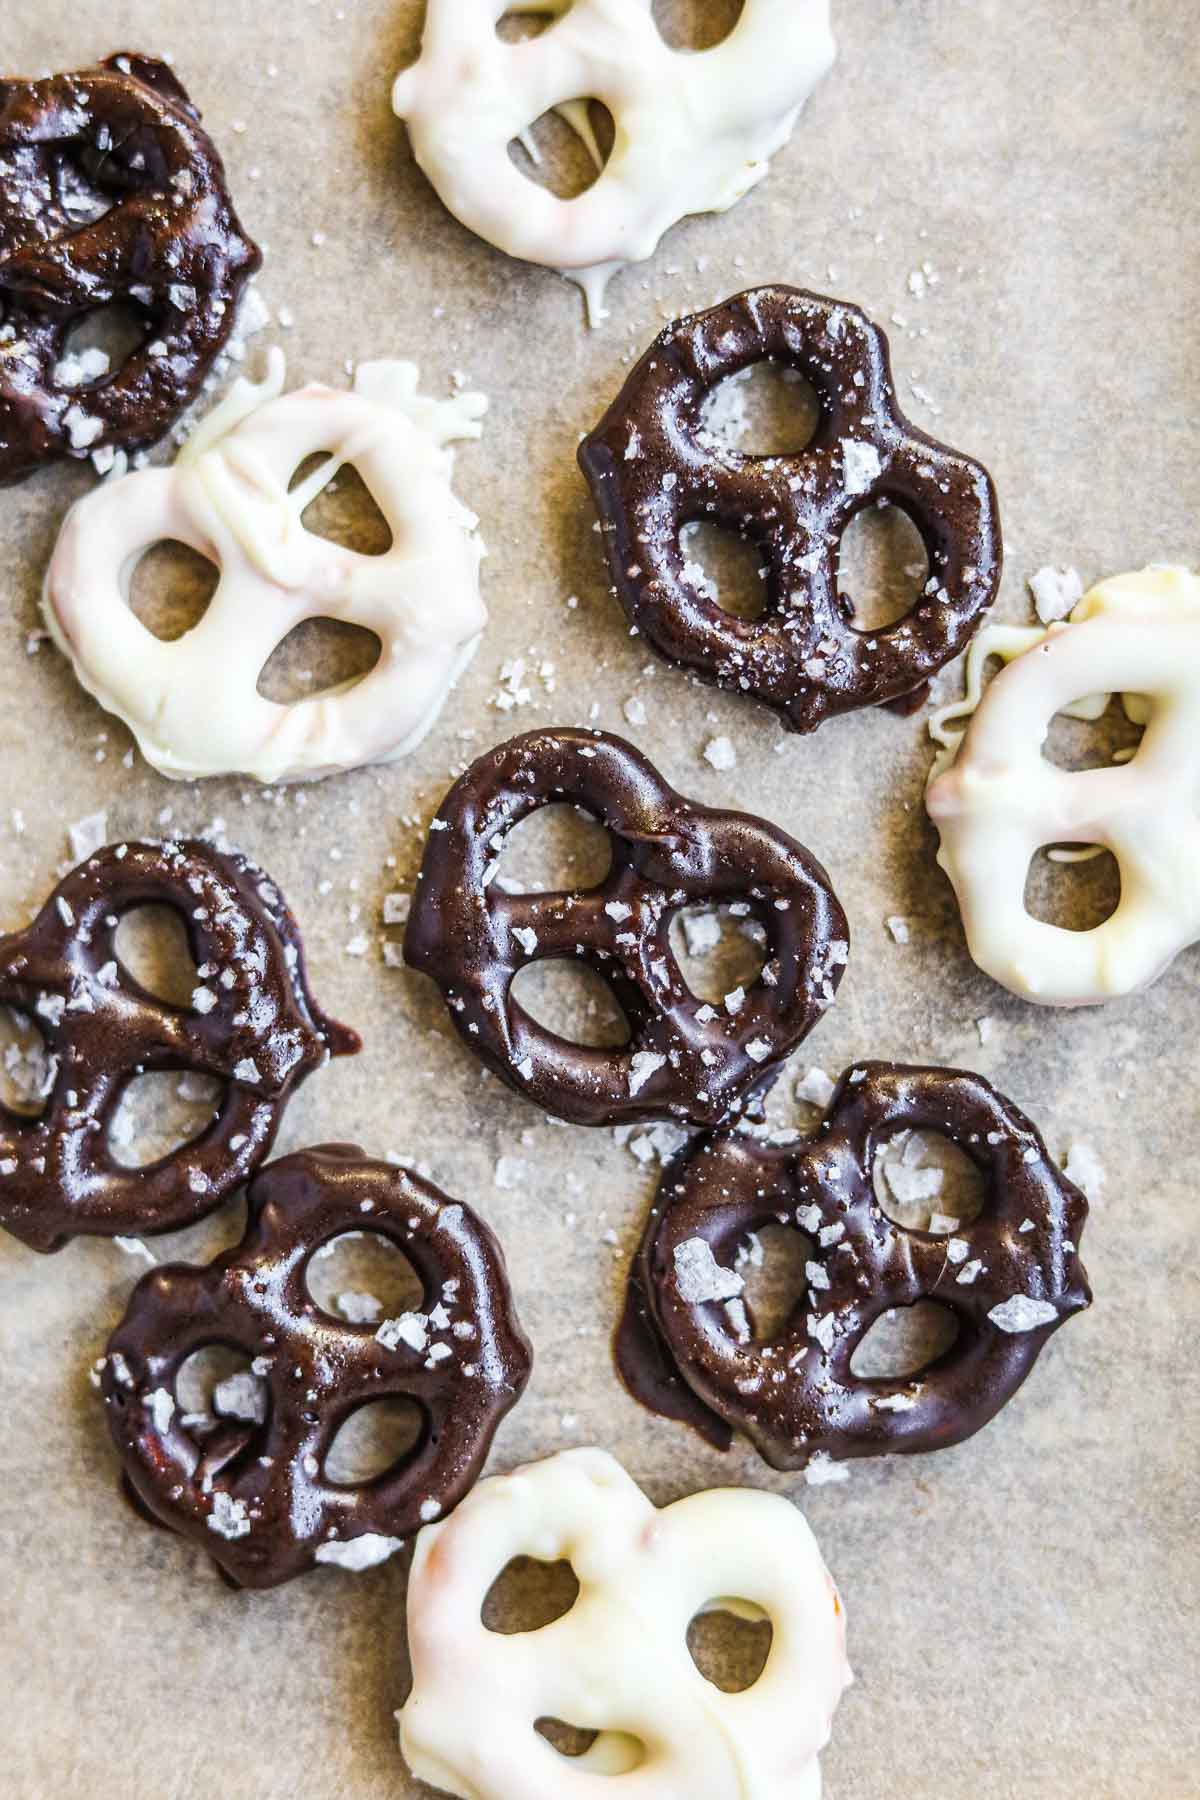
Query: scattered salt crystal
(1056, 592)
(527, 937)
(357, 1554)
(162, 1409)
(635, 710)
(822, 1470)
(700, 1277)
(642, 1066)
(396, 908)
(409, 1329)
(816, 1088)
(359, 1309)
(228, 1517)
(758, 1050)
(861, 465)
(1085, 1169)
(241, 1396)
(1022, 1313)
(720, 753)
(900, 928)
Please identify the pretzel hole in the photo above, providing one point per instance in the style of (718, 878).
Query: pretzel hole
(171, 588)
(1074, 886)
(557, 847)
(160, 1114)
(363, 1278)
(1091, 742)
(718, 949)
(696, 24)
(318, 656)
(883, 566)
(528, 1595)
(374, 1440)
(345, 511)
(771, 1263)
(566, 150)
(99, 344)
(768, 409)
(572, 1001)
(905, 1340)
(217, 1385)
(726, 568)
(924, 1182)
(151, 945)
(26, 1067)
(730, 1648)
(519, 24)
(606, 1752)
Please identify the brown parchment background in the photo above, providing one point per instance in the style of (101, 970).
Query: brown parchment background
(1022, 1608)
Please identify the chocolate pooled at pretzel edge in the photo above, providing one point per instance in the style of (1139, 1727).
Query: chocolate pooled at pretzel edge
(252, 1024)
(653, 469)
(110, 192)
(686, 1059)
(1011, 1277)
(253, 1490)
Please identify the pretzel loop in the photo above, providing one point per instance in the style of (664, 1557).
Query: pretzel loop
(194, 703)
(685, 1058)
(253, 1024)
(258, 1496)
(618, 1662)
(654, 469)
(1011, 1277)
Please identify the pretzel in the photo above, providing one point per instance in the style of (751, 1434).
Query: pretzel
(1001, 801)
(685, 1059)
(252, 1024)
(109, 192)
(694, 133)
(193, 704)
(1012, 1277)
(256, 1494)
(653, 469)
(618, 1662)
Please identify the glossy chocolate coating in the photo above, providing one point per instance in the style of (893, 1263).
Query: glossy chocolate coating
(109, 192)
(261, 1035)
(653, 469)
(796, 1396)
(667, 853)
(318, 1370)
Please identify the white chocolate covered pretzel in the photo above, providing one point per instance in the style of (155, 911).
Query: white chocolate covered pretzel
(193, 703)
(999, 801)
(694, 132)
(618, 1663)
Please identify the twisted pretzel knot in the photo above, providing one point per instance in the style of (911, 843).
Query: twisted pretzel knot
(256, 1496)
(618, 1662)
(1012, 1277)
(653, 469)
(109, 191)
(193, 703)
(693, 132)
(685, 1059)
(253, 1024)
(1001, 801)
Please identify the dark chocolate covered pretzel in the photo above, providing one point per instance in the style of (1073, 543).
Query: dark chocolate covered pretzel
(252, 1023)
(653, 469)
(109, 192)
(255, 1492)
(685, 1059)
(1011, 1277)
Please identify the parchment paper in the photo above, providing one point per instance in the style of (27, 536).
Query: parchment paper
(1022, 1608)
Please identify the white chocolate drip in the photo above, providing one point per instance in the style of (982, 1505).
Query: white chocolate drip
(694, 131)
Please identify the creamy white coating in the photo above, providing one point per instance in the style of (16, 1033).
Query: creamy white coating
(193, 703)
(695, 131)
(618, 1663)
(998, 800)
